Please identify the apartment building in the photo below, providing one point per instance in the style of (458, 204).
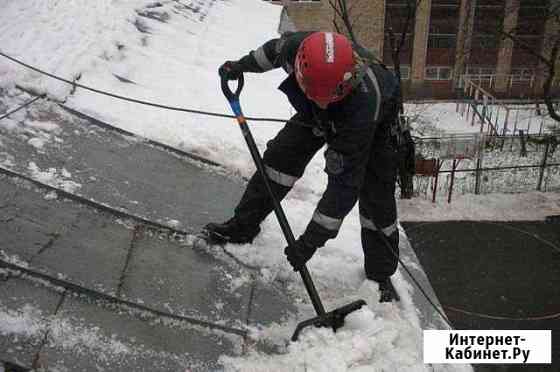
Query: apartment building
(446, 41)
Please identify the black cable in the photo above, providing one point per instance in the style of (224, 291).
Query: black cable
(134, 100)
(121, 213)
(437, 309)
(96, 295)
(22, 106)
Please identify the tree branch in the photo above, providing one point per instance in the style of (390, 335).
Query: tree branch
(526, 47)
(340, 9)
(548, 82)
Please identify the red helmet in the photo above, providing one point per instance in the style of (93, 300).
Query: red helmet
(324, 65)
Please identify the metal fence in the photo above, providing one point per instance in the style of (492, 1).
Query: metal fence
(499, 164)
(502, 117)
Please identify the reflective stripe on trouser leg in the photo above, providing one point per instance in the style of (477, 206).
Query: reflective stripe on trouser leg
(285, 159)
(368, 224)
(327, 222)
(256, 204)
(279, 177)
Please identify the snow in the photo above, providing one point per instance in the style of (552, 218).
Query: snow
(53, 177)
(25, 322)
(75, 335)
(13, 259)
(66, 38)
(530, 206)
(51, 195)
(432, 119)
(188, 52)
(110, 46)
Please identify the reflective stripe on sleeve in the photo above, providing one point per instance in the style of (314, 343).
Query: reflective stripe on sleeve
(262, 59)
(368, 224)
(327, 222)
(373, 79)
(279, 177)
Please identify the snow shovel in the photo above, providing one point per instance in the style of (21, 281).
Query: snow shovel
(333, 319)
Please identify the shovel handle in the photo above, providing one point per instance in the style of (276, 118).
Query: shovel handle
(233, 99)
(233, 96)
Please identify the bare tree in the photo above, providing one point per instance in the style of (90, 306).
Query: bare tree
(342, 13)
(546, 54)
(397, 45)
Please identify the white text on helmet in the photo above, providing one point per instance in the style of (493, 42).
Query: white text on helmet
(329, 47)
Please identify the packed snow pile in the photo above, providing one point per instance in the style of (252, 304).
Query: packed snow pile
(55, 177)
(64, 38)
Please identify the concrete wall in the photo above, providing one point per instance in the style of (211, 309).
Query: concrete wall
(505, 53)
(464, 38)
(472, 17)
(420, 46)
(368, 17)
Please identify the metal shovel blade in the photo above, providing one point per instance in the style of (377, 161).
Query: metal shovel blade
(333, 319)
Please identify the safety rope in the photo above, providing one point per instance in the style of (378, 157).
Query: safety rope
(134, 100)
(94, 204)
(96, 295)
(428, 298)
(499, 317)
(157, 144)
(127, 215)
(22, 106)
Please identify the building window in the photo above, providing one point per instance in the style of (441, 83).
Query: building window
(522, 74)
(432, 73)
(480, 71)
(485, 42)
(438, 73)
(441, 41)
(445, 73)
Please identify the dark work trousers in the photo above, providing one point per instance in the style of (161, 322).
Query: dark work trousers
(290, 152)
(378, 210)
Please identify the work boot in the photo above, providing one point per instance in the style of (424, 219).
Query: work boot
(387, 292)
(231, 231)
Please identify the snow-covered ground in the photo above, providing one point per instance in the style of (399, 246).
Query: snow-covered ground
(167, 53)
(530, 206)
(437, 119)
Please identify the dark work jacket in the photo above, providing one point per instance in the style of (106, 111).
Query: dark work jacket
(350, 126)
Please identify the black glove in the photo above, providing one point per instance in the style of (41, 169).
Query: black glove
(299, 254)
(231, 70)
